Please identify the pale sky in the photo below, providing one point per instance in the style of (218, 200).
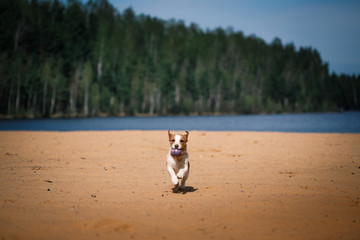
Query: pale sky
(332, 27)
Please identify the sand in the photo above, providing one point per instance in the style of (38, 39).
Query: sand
(242, 185)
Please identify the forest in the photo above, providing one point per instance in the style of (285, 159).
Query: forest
(75, 59)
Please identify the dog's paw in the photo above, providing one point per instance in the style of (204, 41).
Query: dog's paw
(175, 181)
(180, 175)
(182, 186)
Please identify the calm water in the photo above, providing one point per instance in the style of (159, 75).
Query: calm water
(348, 122)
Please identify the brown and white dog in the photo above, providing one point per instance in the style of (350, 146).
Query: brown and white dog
(177, 161)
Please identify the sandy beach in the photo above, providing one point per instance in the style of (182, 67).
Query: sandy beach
(242, 185)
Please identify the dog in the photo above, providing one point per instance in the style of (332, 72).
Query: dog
(177, 161)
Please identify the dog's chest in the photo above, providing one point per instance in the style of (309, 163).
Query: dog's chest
(176, 164)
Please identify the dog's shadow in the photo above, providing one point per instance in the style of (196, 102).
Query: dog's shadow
(188, 189)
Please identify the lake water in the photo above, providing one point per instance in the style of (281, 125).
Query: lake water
(347, 122)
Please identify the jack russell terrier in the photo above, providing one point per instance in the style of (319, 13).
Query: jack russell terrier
(177, 161)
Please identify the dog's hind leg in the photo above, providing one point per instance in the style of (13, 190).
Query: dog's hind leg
(183, 180)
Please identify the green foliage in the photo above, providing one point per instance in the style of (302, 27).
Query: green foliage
(75, 59)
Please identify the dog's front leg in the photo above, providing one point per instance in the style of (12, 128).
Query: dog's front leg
(182, 171)
(174, 179)
(183, 174)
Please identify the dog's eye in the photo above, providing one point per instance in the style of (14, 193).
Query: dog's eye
(173, 140)
(181, 140)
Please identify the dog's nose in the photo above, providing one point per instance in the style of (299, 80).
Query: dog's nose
(176, 146)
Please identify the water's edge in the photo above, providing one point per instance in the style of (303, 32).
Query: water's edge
(348, 122)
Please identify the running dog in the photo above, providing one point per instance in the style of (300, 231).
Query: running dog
(177, 161)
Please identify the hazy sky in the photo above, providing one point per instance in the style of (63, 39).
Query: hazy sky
(332, 27)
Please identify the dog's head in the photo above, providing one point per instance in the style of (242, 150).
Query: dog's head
(178, 143)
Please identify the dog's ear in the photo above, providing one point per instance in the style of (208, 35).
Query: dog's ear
(169, 135)
(187, 135)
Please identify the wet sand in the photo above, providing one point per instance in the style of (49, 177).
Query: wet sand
(242, 185)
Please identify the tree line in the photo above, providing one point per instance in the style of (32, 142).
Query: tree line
(88, 59)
